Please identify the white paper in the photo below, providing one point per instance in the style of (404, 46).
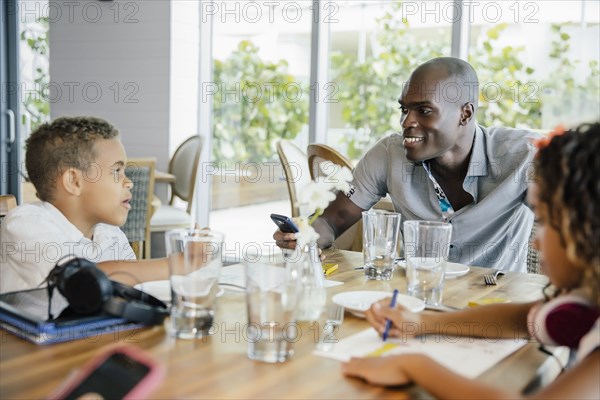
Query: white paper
(235, 275)
(466, 356)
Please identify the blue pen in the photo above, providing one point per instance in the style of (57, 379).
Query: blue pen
(388, 323)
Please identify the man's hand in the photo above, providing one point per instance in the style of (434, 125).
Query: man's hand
(285, 240)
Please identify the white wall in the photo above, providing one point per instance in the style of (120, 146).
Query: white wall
(185, 55)
(109, 45)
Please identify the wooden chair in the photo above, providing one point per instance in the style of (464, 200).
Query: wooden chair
(295, 167)
(137, 226)
(184, 165)
(7, 203)
(317, 153)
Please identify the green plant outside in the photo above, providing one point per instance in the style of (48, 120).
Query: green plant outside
(36, 103)
(268, 104)
(266, 107)
(508, 94)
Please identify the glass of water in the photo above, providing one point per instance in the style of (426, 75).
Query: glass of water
(380, 238)
(195, 262)
(426, 248)
(271, 300)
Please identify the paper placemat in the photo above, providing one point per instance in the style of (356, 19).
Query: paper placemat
(467, 356)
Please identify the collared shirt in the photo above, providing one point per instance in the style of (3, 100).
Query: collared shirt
(35, 236)
(492, 231)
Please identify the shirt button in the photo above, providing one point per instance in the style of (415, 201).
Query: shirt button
(451, 246)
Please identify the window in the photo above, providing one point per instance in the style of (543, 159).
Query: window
(374, 48)
(261, 53)
(537, 62)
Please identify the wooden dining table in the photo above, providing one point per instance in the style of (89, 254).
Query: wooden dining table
(217, 366)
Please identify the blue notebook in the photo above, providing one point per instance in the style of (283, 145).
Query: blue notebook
(25, 314)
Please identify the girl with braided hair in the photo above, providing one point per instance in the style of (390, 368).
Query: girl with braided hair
(565, 196)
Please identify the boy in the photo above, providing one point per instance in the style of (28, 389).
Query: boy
(77, 165)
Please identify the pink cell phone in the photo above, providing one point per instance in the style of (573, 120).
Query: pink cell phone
(120, 372)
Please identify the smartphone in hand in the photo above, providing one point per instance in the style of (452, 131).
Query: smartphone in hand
(121, 372)
(285, 224)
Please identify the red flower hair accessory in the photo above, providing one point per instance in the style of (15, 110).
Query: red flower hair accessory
(545, 141)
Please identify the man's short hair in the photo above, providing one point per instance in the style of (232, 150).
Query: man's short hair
(66, 142)
(459, 71)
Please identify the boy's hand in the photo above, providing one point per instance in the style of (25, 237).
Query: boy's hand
(385, 371)
(405, 324)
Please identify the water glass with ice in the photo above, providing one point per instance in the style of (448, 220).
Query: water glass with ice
(194, 257)
(426, 248)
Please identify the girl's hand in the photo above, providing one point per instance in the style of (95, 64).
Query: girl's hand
(405, 324)
(384, 371)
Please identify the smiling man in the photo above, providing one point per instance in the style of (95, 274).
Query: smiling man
(445, 167)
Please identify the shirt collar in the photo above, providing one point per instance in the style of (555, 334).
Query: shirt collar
(72, 233)
(479, 160)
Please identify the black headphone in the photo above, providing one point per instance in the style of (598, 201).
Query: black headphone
(89, 291)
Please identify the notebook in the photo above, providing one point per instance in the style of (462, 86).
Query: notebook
(25, 314)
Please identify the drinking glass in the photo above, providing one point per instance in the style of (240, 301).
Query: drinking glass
(426, 247)
(271, 307)
(334, 316)
(380, 238)
(194, 257)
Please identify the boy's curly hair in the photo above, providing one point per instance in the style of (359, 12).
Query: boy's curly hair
(63, 143)
(568, 178)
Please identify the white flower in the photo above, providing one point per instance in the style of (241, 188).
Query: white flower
(306, 234)
(316, 196)
(336, 175)
(342, 179)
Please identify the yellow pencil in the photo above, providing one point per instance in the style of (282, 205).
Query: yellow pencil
(329, 268)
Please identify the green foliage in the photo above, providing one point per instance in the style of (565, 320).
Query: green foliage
(369, 91)
(508, 96)
(270, 104)
(560, 91)
(35, 103)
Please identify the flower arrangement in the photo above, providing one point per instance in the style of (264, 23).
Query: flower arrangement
(316, 196)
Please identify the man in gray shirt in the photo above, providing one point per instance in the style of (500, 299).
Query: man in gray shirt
(445, 167)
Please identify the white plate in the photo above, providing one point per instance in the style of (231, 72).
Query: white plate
(162, 289)
(359, 301)
(453, 270)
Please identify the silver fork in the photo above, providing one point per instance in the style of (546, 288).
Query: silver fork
(491, 279)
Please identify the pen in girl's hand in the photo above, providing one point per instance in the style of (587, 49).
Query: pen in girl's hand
(388, 323)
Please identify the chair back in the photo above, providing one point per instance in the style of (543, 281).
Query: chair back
(295, 167)
(137, 226)
(7, 203)
(184, 165)
(533, 257)
(317, 153)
